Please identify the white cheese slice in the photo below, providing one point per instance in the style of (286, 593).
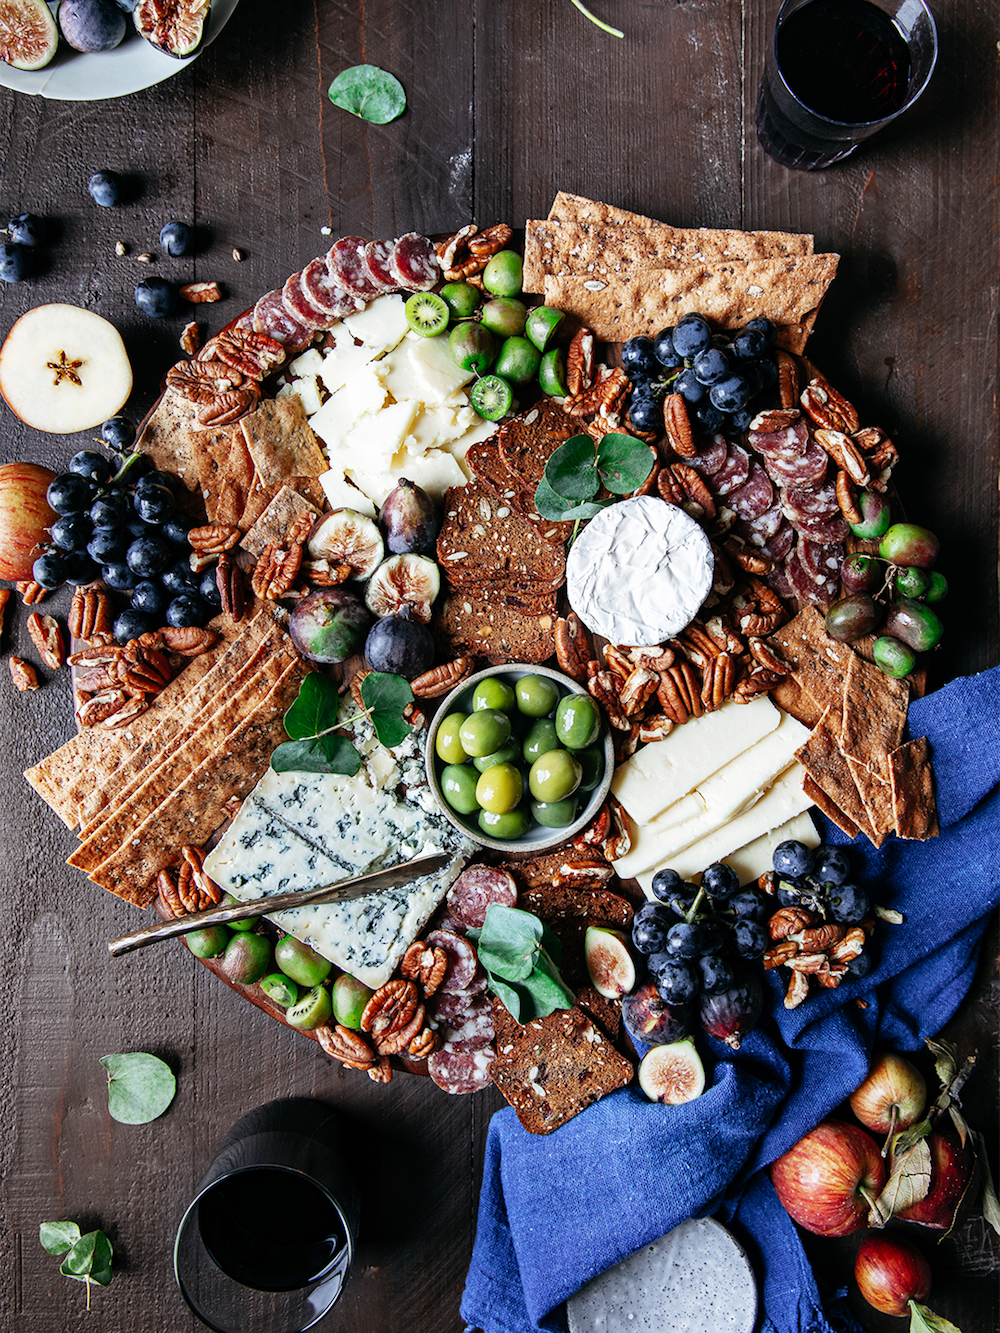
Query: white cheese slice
(433, 427)
(381, 325)
(364, 393)
(664, 771)
(479, 430)
(783, 800)
(751, 861)
(398, 375)
(434, 471)
(375, 483)
(306, 389)
(435, 368)
(639, 571)
(342, 363)
(376, 436)
(309, 363)
(342, 495)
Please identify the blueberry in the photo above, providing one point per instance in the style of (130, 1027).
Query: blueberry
(80, 567)
(177, 238)
(848, 904)
(637, 355)
(208, 591)
(187, 609)
(720, 880)
(176, 529)
(765, 327)
(646, 414)
(147, 556)
(749, 345)
(665, 351)
(708, 418)
(156, 297)
(793, 858)
(716, 973)
(106, 188)
(751, 938)
(118, 434)
(684, 939)
(15, 262)
(730, 394)
(748, 906)
(860, 966)
(692, 335)
(675, 981)
(832, 865)
(154, 504)
(106, 546)
(739, 422)
(179, 578)
(111, 509)
(89, 463)
(149, 598)
(710, 366)
(71, 532)
(50, 569)
(117, 575)
(131, 623)
(689, 386)
(69, 493)
(28, 229)
(667, 884)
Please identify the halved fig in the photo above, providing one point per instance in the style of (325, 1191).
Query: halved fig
(346, 537)
(28, 33)
(672, 1074)
(176, 27)
(609, 962)
(404, 580)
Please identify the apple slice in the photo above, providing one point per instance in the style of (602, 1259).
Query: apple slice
(64, 369)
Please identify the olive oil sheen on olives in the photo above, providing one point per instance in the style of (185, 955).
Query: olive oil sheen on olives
(270, 1228)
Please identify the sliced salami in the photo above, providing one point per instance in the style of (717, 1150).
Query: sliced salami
(271, 317)
(447, 1007)
(346, 262)
(733, 472)
(822, 562)
(244, 321)
(414, 263)
(808, 503)
(826, 531)
(710, 456)
(778, 580)
(460, 1072)
(472, 1029)
(323, 292)
(377, 256)
(754, 497)
(475, 890)
(462, 959)
(778, 546)
(806, 472)
(300, 307)
(803, 584)
(759, 531)
(786, 444)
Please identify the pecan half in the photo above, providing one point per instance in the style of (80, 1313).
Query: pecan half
(768, 656)
(808, 962)
(355, 686)
(424, 964)
(780, 954)
(668, 487)
(229, 581)
(695, 490)
(580, 363)
(214, 538)
(618, 661)
(423, 1044)
(639, 688)
(490, 241)
(757, 682)
(141, 670)
(190, 339)
(381, 1071)
(47, 636)
(655, 727)
(789, 379)
(828, 408)
(718, 682)
(392, 1041)
(699, 644)
(595, 832)
(677, 423)
(603, 398)
(200, 293)
(346, 1045)
(100, 707)
(31, 592)
(188, 640)
(449, 249)
(573, 646)
(390, 1009)
(201, 380)
(128, 712)
(166, 885)
(671, 699)
(789, 920)
(602, 686)
(276, 571)
(798, 989)
(225, 408)
(849, 947)
(819, 939)
(23, 674)
(440, 679)
(777, 418)
(253, 354)
(89, 614)
(845, 453)
(583, 872)
(847, 498)
(685, 677)
(748, 559)
(196, 889)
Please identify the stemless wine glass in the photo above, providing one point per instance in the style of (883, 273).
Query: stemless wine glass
(267, 1243)
(837, 71)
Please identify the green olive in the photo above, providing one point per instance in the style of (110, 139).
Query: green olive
(514, 824)
(554, 776)
(536, 695)
(541, 738)
(300, 962)
(493, 693)
(447, 745)
(313, 1010)
(458, 787)
(554, 814)
(578, 721)
(507, 754)
(484, 731)
(500, 788)
(592, 763)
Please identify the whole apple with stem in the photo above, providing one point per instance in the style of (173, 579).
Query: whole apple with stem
(25, 517)
(892, 1096)
(828, 1181)
(890, 1273)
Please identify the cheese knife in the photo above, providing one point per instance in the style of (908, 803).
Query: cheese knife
(343, 891)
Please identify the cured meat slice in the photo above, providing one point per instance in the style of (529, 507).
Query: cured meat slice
(462, 959)
(758, 531)
(826, 531)
(323, 292)
(460, 1072)
(802, 473)
(778, 580)
(244, 321)
(271, 317)
(475, 890)
(805, 503)
(822, 562)
(778, 546)
(414, 263)
(786, 444)
(447, 1007)
(733, 472)
(472, 1028)
(346, 262)
(754, 497)
(710, 456)
(803, 584)
(377, 256)
(300, 307)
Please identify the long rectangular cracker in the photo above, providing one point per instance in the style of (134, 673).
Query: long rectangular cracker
(823, 761)
(818, 663)
(829, 807)
(282, 444)
(911, 779)
(874, 713)
(169, 438)
(874, 792)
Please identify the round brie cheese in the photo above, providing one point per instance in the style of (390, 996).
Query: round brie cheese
(639, 571)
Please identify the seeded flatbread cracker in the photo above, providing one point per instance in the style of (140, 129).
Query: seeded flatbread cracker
(491, 621)
(818, 663)
(823, 761)
(217, 455)
(549, 902)
(169, 438)
(829, 808)
(574, 207)
(259, 497)
(276, 519)
(911, 780)
(875, 797)
(282, 444)
(789, 695)
(874, 714)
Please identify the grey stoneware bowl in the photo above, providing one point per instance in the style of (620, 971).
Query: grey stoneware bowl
(538, 838)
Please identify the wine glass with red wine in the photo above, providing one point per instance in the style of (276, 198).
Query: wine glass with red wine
(836, 72)
(266, 1245)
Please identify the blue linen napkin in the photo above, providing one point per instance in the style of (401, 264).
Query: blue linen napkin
(557, 1210)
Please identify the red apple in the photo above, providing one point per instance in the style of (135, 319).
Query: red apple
(891, 1272)
(951, 1170)
(828, 1180)
(892, 1097)
(25, 517)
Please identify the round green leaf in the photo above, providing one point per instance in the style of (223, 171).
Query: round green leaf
(572, 469)
(140, 1087)
(58, 1237)
(369, 92)
(316, 708)
(623, 462)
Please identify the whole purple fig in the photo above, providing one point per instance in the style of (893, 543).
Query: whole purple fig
(649, 1019)
(409, 519)
(730, 1014)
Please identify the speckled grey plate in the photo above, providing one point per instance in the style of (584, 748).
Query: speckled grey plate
(695, 1279)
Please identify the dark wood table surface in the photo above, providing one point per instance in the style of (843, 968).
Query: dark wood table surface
(508, 103)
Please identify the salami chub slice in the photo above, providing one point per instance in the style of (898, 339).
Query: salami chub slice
(414, 263)
(271, 317)
(710, 456)
(460, 1072)
(346, 261)
(323, 292)
(803, 472)
(733, 472)
(475, 890)
(377, 257)
(754, 497)
(300, 307)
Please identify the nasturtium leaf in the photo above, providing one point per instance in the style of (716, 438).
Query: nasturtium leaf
(623, 462)
(89, 1260)
(369, 92)
(508, 943)
(572, 469)
(140, 1087)
(316, 708)
(387, 694)
(58, 1237)
(317, 754)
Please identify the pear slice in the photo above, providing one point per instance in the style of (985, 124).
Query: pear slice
(64, 369)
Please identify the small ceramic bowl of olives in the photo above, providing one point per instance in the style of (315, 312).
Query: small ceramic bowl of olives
(519, 758)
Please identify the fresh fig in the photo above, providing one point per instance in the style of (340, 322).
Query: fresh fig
(730, 1014)
(400, 645)
(651, 1021)
(404, 580)
(346, 537)
(409, 519)
(176, 27)
(91, 25)
(329, 625)
(672, 1073)
(609, 962)
(28, 34)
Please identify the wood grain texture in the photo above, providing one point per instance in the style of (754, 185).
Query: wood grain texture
(508, 103)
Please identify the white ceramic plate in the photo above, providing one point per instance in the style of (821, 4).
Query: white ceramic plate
(695, 1279)
(75, 77)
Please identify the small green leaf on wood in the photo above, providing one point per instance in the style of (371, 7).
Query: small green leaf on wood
(369, 92)
(316, 708)
(140, 1087)
(623, 462)
(89, 1260)
(58, 1237)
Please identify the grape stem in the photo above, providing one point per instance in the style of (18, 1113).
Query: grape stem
(692, 911)
(604, 27)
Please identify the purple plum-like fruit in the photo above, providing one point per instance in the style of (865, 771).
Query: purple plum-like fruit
(329, 625)
(651, 1021)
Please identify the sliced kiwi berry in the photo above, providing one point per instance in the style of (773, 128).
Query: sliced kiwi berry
(552, 373)
(492, 397)
(427, 314)
(311, 1011)
(279, 989)
(672, 1074)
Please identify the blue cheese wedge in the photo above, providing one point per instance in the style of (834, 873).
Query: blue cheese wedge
(639, 571)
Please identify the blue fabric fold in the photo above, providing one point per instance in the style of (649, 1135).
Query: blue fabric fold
(557, 1210)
